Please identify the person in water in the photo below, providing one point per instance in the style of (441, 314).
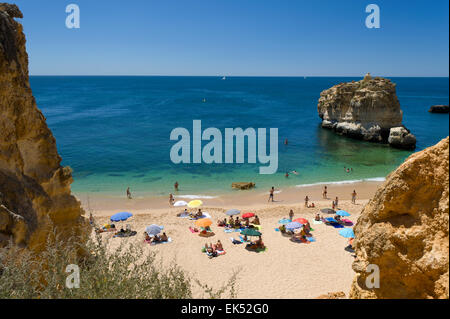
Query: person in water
(175, 186)
(286, 175)
(128, 193)
(272, 190)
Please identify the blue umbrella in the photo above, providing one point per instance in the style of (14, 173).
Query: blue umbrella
(347, 233)
(232, 212)
(284, 221)
(121, 216)
(153, 229)
(294, 225)
(342, 213)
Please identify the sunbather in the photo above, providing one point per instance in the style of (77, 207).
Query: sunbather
(147, 238)
(231, 222)
(184, 213)
(219, 246)
(164, 237)
(256, 220)
(318, 218)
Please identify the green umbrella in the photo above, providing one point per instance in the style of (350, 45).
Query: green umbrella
(250, 232)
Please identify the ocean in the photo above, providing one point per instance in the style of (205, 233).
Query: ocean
(114, 132)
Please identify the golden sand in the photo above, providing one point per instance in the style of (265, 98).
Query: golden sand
(285, 270)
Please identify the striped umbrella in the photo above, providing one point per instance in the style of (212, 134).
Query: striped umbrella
(293, 225)
(153, 230)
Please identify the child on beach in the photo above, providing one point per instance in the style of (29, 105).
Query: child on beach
(272, 190)
(324, 194)
(306, 201)
(128, 193)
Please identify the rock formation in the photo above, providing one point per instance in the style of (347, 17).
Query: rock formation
(439, 109)
(404, 231)
(243, 185)
(35, 195)
(368, 110)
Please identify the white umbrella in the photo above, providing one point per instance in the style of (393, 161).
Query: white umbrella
(180, 203)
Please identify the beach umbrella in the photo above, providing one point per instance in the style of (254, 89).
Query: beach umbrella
(293, 225)
(347, 233)
(301, 220)
(180, 203)
(204, 222)
(121, 216)
(250, 232)
(328, 211)
(284, 221)
(232, 212)
(153, 230)
(195, 203)
(248, 215)
(342, 213)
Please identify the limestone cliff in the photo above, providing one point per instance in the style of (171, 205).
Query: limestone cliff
(367, 110)
(404, 230)
(35, 191)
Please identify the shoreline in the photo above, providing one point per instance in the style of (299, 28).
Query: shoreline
(234, 199)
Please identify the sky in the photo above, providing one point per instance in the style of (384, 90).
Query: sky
(237, 38)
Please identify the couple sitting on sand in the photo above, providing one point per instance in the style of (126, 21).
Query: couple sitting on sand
(256, 245)
(106, 228)
(214, 250)
(155, 239)
(199, 214)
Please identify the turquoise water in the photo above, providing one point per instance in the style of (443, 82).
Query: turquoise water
(114, 131)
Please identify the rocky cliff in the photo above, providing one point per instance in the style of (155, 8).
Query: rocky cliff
(367, 110)
(404, 231)
(35, 194)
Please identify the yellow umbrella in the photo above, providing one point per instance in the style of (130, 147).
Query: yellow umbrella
(195, 203)
(204, 222)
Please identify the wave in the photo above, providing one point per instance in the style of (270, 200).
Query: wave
(374, 179)
(196, 196)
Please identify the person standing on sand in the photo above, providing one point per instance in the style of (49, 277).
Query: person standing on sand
(306, 201)
(176, 186)
(291, 214)
(272, 190)
(354, 197)
(171, 200)
(324, 194)
(336, 201)
(128, 193)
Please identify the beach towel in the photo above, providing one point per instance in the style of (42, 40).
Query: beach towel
(235, 241)
(183, 215)
(277, 229)
(337, 225)
(317, 222)
(126, 234)
(310, 239)
(193, 230)
(169, 240)
(227, 230)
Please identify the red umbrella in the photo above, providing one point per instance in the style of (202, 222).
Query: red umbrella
(301, 220)
(248, 215)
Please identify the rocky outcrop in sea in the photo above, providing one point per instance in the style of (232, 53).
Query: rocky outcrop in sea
(404, 229)
(35, 195)
(367, 110)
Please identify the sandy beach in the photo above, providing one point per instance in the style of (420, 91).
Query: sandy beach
(285, 270)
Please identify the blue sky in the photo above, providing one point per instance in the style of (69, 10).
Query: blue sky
(238, 37)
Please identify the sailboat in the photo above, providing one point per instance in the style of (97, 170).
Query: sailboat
(224, 78)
